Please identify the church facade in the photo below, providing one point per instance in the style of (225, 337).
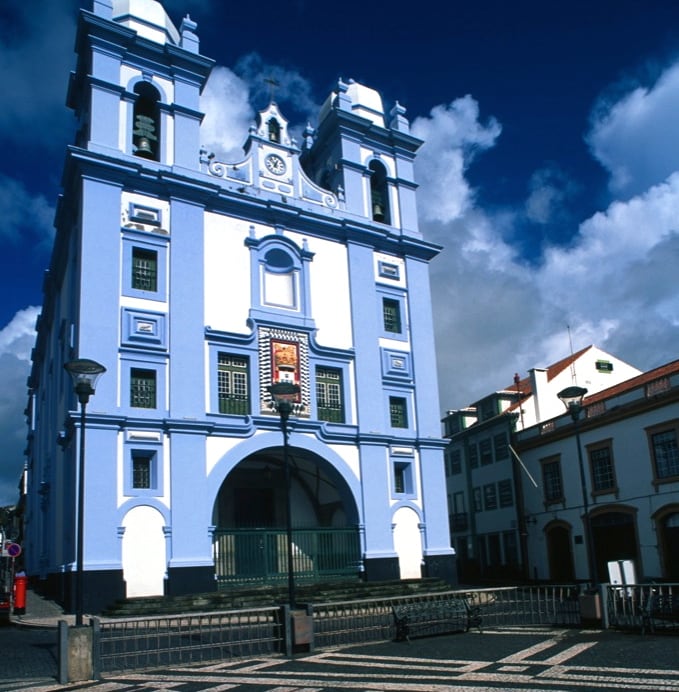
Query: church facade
(199, 284)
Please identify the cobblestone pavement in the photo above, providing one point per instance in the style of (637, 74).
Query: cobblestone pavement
(532, 660)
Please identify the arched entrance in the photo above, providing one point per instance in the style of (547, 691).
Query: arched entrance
(249, 515)
(667, 524)
(615, 538)
(559, 552)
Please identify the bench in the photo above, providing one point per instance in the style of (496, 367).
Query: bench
(422, 618)
(660, 606)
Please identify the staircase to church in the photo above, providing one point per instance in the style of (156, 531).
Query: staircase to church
(263, 596)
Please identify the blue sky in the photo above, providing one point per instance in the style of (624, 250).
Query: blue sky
(549, 173)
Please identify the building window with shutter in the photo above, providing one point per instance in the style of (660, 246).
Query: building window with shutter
(602, 469)
(329, 399)
(232, 384)
(664, 452)
(551, 480)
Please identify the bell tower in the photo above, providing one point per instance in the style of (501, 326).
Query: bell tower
(364, 159)
(137, 83)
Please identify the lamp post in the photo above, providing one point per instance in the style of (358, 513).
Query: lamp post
(283, 394)
(85, 374)
(572, 399)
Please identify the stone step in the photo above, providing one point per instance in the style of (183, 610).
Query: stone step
(267, 595)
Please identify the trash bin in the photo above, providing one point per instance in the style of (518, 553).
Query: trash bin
(20, 584)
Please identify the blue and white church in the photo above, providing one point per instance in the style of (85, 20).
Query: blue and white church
(198, 284)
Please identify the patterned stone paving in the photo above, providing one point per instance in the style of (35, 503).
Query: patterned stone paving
(541, 660)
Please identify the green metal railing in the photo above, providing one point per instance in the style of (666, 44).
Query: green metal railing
(259, 556)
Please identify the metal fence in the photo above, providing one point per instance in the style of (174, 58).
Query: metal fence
(148, 642)
(259, 556)
(372, 620)
(624, 606)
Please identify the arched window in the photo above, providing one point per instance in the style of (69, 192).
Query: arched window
(274, 131)
(379, 193)
(279, 279)
(146, 130)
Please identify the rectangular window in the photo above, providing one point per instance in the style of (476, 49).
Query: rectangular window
(141, 470)
(473, 455)
(391, 311)
(551, 480)
(501, 446)
(486, 452)
(505, 493)
(142, 388)
(329, 399)
(232, 384)
(665, 453)
(455, 460)
(601, 468)
(459, 520)
(489, 496)
(144, 269)
(478, 502)
(398, 412)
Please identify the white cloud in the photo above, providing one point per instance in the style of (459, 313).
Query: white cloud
(16, 341)
(614, 284)
(549, 190)
(453, 136)
(228, 115)
(24, 213)
(289, 86)
(636, 138)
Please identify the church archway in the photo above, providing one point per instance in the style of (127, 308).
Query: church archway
(249, 516)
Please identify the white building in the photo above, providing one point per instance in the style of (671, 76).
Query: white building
(629, 437)
(485, 480)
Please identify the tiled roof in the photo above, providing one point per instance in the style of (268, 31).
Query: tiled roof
(524, 385)
(634, 382)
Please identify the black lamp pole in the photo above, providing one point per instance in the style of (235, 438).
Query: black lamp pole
(85, 374)
(572, 400)
(282, 393)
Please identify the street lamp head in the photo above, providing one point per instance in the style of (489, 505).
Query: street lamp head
(284, 394)
(572, 399)
(85, 373)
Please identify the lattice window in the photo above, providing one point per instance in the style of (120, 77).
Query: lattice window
(144, 269)
(232, 384)
(329, 400)
(143, 388)
(398, 412)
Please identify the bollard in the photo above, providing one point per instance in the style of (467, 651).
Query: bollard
(20, 584)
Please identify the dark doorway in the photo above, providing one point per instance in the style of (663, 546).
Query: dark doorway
(670, 546)
(614, 539)
(560, 555)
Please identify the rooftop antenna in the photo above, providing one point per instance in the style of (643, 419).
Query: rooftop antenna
(574, 377)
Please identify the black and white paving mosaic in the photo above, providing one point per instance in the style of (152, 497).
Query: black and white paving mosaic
(535, 660)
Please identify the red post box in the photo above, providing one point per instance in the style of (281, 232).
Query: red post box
(20, 584)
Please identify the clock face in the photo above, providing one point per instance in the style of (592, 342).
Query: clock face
(275, 164)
